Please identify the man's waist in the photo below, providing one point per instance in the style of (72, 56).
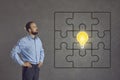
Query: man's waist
(32, 63)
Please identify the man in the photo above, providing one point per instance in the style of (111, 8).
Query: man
(29, 53)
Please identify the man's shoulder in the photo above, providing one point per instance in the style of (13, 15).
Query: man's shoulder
(24, 38)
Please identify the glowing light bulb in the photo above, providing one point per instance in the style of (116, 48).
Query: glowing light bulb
(82, 38)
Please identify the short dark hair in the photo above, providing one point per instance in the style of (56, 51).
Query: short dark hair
(27, 26)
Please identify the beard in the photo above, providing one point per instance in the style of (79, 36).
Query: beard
(34, 33)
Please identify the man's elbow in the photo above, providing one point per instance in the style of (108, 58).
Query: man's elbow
(12, 54)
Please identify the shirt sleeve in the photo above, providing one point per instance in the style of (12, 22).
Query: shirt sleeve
(42, 55)
(15, 53)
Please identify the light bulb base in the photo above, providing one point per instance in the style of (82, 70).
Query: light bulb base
(82, 47)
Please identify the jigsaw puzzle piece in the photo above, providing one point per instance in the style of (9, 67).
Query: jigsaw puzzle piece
(61, 22)
(82, 19)
(76, 46)
(88, 44)
(60, 57)
(82, 28)
(103, 22)
(104, 56)
(68, 39)
(82, 58)
(96, 39)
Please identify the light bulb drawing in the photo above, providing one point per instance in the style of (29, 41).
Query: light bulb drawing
(82, 38)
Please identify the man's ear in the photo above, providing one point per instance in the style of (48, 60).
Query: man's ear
(29, 30)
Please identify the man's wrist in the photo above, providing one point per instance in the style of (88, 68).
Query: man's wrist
(41, 61)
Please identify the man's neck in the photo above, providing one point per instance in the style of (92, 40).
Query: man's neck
(33, 36)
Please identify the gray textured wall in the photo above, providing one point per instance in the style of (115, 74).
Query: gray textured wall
(15, 13)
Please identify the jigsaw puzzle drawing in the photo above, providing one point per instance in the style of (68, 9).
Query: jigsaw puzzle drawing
(96, 51)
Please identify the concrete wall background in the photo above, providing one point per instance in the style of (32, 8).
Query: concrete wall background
(15, 13)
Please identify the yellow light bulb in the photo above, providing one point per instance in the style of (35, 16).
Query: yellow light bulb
(82, 38)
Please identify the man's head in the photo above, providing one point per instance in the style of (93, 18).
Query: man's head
(31, 28)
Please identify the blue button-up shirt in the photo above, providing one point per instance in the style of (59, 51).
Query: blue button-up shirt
(30, 49)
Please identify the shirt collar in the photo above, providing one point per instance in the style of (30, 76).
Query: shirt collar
(30, 37)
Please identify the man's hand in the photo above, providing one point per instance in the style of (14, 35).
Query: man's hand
(27, 64)
(40, 64)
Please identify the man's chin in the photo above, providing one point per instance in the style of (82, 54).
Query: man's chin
(35, 33)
